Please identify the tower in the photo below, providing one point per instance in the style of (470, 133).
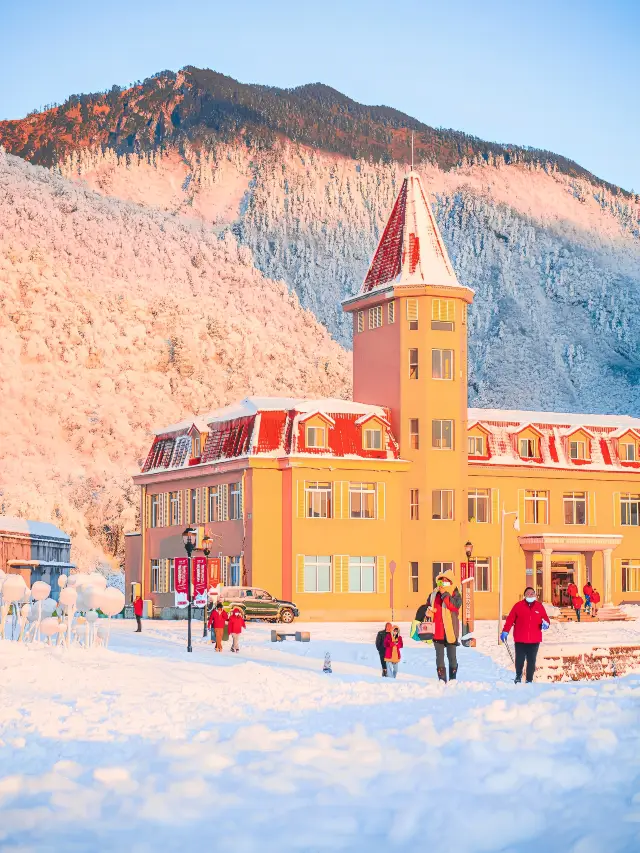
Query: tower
(410, 354)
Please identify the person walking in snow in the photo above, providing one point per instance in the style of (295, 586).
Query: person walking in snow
(392, 655)
(236, 624)
(577, 602)
(216, 623)
(380, 638)
(572, 590)
(529, 619)
(138, 606)
(444, 606)
(587, 591)
(595, 601)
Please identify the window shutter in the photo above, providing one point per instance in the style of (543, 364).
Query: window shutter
(300, 573)
(616, 509)
(617, 571)
(198, 505)
(223, 492)
(147, 511)
(495, 506)
(165, 509)
(341, 499)
(381, 566)
(591, 498)
(380, 501)
(167, 585)
(241, 499)
(301, 499)
(180, 506)
(495, 575)
(340, 573)
(521, 515)
(412, 309)
(344, 486)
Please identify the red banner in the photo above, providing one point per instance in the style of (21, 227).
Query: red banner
(200, 581)
(468, 574)
(213, 571)
(182, 581)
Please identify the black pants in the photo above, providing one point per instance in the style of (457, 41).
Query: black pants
(578, 613)
(528, 652)
(440, 646)
(139, 621)
(383, 663)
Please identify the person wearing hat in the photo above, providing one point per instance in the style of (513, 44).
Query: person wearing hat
(236, 624)
(216, 622)
(595, 601)
(443, 605)
(392, 646)
(380, 638)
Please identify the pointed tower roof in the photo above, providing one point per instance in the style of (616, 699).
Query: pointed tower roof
(411, 249)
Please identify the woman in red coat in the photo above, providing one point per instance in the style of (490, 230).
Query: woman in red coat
(529, 619)
(572, 590)
(138, 607)
(216, 622)
(595, 601)
(236, 624)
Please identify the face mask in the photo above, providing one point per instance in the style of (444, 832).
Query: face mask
(530, 598)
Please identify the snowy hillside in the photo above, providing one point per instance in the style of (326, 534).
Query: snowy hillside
(114, 318)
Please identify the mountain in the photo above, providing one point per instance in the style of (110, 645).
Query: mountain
(114, 320)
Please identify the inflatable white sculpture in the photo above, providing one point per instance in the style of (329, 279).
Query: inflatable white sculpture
(13, 590)
(49, 628)
(111, 604)
(39, 592)
(68, 598)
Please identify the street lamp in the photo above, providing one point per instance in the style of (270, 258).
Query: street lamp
(468, 549)
(467, 589)
(189, 537)
(207, 544)
(516, 526)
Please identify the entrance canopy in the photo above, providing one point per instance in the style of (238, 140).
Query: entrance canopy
(569, 542)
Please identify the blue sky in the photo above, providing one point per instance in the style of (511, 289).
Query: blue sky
(558, 75)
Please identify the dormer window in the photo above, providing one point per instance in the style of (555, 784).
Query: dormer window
(628, 452)
(476, 445)
(316, 436)
(528, 448)
(372, 439)
(196, 446)
(578, 449)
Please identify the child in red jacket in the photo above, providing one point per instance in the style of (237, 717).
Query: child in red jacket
(595, 601)
(392, 646)
(577, 602)
(236, 624)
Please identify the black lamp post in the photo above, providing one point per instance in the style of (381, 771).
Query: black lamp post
(207, 543)
(468, 549)
(189, 537)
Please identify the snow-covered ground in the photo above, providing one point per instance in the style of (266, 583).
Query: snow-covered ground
(145, 748)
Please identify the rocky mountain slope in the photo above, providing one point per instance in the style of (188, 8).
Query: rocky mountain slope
(114, 319)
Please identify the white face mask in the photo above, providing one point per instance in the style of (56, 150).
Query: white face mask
(530, 598)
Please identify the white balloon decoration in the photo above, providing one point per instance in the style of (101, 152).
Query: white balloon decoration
(112, 601)
(62, 581)
(13, 588)
(40, 590)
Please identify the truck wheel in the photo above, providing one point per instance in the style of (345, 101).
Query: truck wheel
(286, 616)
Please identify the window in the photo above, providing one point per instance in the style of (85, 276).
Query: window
(155, 511)
(483, 574)
(630, 509)
(442, 434)
(628, 452)
(442, 314)
(375, 317)
(414, 433)
(439, 568)
(631, 575)
(235, 507)
(442, 505)
(213, 503)
(415, 505)
(362, 500)
(360, 321)
(174, 508)
(528, 448)
(362, 574)
(442, 364)
(235, 571)
(155, 575)
(479, 506)
(373, 439)
(578, 450)
(317, 574)
(318, 500)
(196, 446)
(413, 364)
(412, 314)
(575, 507)
(414, 577)
(476, 445)
(316, 437)
(391, 312)
(536, 507)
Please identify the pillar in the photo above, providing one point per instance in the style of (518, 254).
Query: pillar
(607, 576)
(588, 560)
(546, 575)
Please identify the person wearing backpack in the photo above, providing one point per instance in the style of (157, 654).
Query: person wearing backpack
(443, 606)
(380, 638)
(392, 646)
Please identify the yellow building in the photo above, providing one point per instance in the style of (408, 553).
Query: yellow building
(338, 505)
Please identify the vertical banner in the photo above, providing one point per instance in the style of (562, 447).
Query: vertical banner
(468, 575)
(182, 581)
(200, 581)
(213, 571)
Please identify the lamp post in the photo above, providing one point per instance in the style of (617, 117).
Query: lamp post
(467, 588)
(189, 537)
(207, 544)
(516, 526)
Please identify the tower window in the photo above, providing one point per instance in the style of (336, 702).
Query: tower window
(412, 314)
(391, 312)
(443, 313)
(375, 317)
(442, 364)
(414, 505)
(360, 321)
(413, 364)
(442, 505)
(414, 433)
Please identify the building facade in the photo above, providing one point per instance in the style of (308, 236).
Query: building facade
(37, 550)
(340, 505)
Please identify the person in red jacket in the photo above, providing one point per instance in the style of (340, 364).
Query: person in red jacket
(138, 606)
(216, 622)
(587, 591)
(529, 619)
(595, 601)
(236, 624)
(443, 607)
(577, 602)
(392, 646)
(572, 590)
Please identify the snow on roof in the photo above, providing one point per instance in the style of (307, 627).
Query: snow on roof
(329, 405)
(199, 422)
(9, 524)
(522, 416)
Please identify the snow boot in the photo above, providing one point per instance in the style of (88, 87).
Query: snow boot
(453, 671)
(442, 674)
(517, 679)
